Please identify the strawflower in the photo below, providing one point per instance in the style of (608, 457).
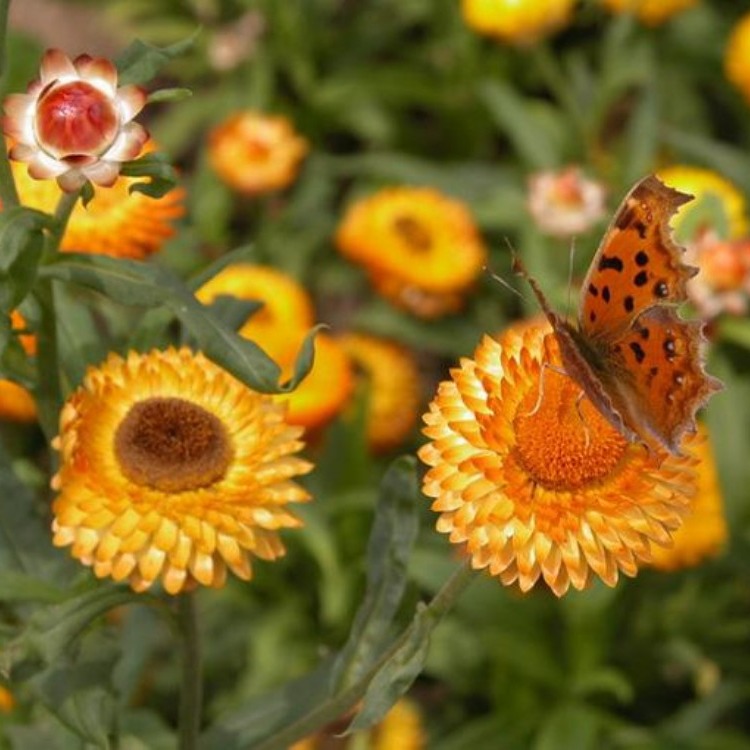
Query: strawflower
(173, 471)
(723, 284)
(256, 153)
(74, 124)
(401, 729)
(703, 533)
(115, 222)
(421, 249)
(16, 402)
(279, 328)
(517, 21)
(390, 375)
(565, 203)
(544, 489)
(650, 12)
(737, 57)
(707, 185)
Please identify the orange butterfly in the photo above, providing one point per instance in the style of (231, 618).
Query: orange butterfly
(634, 357)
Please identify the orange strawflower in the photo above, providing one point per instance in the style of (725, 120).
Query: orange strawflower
(517, 21)
(279, 328)
(728, 216)
(7, 701)
(171, 470)
(74, 124)
(421, 249)
(115, 222)
(256, 153)
(704, 531)
(391, 377)
(544, 488)
(737, 57)
(16, 402)
(650, 12)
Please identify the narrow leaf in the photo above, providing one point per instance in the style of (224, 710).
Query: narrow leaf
(140, 62)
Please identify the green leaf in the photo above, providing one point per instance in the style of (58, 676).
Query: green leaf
(391, 540)
(570, 727)
(169, 95)
(22, 242)
(162, 175)
(140, 62)
(521, 123)
(142, 284)
(78, 691)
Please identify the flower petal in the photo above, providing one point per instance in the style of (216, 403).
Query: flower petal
(56, 65)
(131, 99)
(97, 70)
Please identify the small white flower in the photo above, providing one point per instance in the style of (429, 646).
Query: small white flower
(565, 203)
(74, 123)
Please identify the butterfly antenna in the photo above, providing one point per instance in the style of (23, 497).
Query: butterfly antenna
(571, 256)
(520, 269)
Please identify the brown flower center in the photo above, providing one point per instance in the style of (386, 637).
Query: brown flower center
(172, 445)
(564, 443)
(413, 233)
(75, 119)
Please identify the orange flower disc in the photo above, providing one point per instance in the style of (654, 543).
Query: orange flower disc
(540, 485)
(173, 471)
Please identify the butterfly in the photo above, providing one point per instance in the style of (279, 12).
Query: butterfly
(634, 357)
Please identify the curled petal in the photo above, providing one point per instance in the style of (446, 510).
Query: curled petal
(128, 144)
(97, 70)
(102, 173)
(56, 65)
(18, 119)
(132, 99)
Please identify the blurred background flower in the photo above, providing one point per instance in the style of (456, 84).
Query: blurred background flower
(737, 57)
(256, 153)
(421, 249)
(516, 21)
(650, 12)
(117, 221)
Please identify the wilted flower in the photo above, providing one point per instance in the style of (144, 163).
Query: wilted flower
(115, 221)
(279, 328)
(173, 471)
(565, 203)
(421, 249)
(516, 21)
(544, 488)
(650, 12)
(74, 124)
(704, 530)
(737, 57)
(391, 378)
(719, 205)
(256, 153)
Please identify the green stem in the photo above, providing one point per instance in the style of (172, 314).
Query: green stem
(191, 693)
(345, 701)
(49, 392)
(8, 192)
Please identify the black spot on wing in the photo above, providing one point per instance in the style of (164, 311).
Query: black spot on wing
(637, 350)
(628, 303)
(641, 258)
(605, 294)
(613, 263)
(641, 278)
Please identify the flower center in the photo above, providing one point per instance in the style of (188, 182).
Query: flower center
(413, 233)
(561, 442)
(74, 119)
(172, 445)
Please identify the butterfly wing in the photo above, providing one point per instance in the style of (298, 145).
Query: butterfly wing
(637, 264)
(658, 378)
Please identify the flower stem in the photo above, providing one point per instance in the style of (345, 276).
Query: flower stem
(49, 392)
(344, 701)
(8, 192)
(191, 693)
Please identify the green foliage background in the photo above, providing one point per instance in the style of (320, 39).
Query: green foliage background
(387, 92)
